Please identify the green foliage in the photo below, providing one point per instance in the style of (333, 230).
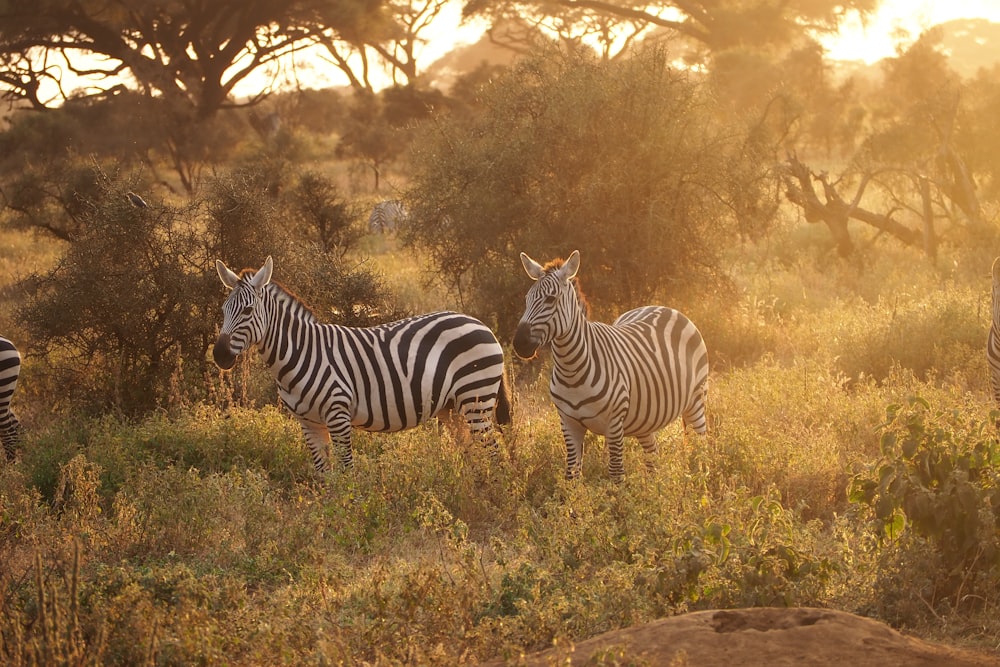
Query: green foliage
(626, 161)
(937, 477)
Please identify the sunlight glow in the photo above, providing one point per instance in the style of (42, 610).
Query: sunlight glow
(900, 22)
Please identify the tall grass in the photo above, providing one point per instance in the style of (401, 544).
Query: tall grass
(201, 534)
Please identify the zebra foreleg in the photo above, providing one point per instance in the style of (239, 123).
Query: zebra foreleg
(616, 447)
(573, 434)
(317, 439)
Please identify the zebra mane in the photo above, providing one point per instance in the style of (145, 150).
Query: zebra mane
(289, 300)
(555, 265)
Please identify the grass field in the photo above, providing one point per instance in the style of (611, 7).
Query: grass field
(201, 535)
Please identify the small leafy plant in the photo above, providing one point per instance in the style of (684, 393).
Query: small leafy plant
(937, 477)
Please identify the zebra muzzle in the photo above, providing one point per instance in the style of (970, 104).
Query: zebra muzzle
(222, 354)
(525, 345)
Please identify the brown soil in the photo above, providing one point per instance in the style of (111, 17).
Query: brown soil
(761, 637)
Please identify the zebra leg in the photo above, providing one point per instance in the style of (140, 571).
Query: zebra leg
(340, 431)
(479, 416)
(995, 389)
(573, 434)
(317, 437)
(10, 434)
(616, 447)
(694, 416)
(650, 446)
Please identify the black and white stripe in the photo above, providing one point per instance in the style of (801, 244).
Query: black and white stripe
(383, 378)
(386, 216)
(630, 378)
(10, 370)
(993, 339)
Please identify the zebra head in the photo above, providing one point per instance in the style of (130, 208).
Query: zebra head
(242, 321)
(548, 305)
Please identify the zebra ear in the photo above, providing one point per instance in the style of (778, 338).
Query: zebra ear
(263, 276)
(533, 268)
(570, 266)
(228, 278)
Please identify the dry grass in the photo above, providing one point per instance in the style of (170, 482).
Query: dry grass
(201, 534)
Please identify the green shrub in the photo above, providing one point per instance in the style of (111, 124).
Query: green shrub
(937, 485)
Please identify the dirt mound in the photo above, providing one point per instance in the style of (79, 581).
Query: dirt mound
(766, 637)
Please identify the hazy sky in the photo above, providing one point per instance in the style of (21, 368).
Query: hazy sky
(878, 40)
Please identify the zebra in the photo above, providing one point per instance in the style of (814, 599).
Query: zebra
(382, 378)
(387, 215)
(630, 378)
(993, 338)
(10, 369)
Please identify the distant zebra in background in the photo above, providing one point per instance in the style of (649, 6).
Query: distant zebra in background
(383, 378)
(630, 378)
(386, 216)
(10, 369)
(993, 339)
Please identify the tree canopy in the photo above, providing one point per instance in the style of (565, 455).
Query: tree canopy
(189, 52)
(710, 26)
(627, 161)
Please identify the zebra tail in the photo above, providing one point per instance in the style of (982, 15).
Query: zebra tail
(503, 410)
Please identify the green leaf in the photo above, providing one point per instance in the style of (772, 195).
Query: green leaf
(894, 527)
(888, 443)
(884, 508)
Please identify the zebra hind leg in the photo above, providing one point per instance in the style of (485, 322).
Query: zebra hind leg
(478, 415)
(317, 439)
(694, 416)
(10, 435)
(650, 447)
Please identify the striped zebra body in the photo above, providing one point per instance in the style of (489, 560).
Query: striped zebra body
(993, 339)
(383, 378)
(627, 379)
(10, 370)
(386, 216)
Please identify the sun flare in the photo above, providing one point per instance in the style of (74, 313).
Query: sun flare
(900, 22)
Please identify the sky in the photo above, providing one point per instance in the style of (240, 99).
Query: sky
(879, 38)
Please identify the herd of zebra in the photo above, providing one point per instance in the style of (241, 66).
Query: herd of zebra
(626, 379)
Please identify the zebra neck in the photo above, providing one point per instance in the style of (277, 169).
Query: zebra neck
(288, 323)
(572, 351)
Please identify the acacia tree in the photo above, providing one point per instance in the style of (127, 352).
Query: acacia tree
(917, 165)
(710, 26)
(626, 161)
(394, 45)
(188, 56)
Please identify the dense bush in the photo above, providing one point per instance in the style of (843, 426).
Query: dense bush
(627, 161)
(127, 315)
